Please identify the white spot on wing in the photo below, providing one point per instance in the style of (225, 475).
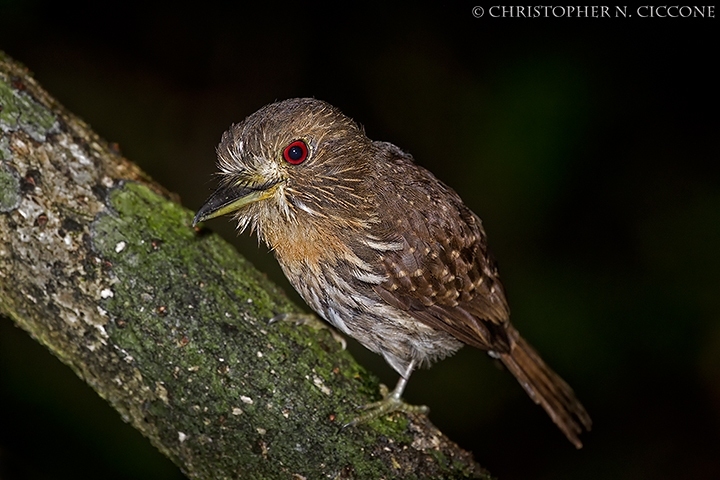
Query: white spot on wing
(368, 277)
(381, 246)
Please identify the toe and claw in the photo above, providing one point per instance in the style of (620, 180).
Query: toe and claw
(391, 402)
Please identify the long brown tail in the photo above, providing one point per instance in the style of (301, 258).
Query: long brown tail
(546, 388)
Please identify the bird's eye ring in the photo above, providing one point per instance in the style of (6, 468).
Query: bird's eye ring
(296, 152)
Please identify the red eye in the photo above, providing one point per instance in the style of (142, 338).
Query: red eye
(296, 152)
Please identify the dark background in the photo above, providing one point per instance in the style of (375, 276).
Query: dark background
(588, 146)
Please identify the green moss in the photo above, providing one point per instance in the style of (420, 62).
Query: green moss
(221, 362)
(165, 292)
(19, 111)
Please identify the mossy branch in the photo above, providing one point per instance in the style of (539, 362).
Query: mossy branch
(169, 324)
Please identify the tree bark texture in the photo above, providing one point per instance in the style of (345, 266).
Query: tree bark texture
(170, 325)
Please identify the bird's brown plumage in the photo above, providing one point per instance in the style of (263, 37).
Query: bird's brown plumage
(377, 245)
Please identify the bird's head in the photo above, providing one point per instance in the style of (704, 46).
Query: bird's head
(297, 161)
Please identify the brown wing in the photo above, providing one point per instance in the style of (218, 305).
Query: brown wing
(443, 274)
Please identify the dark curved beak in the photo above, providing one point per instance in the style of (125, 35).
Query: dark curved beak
(228, 199)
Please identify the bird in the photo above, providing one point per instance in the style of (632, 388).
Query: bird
(377, 246)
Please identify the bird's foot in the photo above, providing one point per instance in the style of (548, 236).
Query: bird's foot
(311, 321)
(391, 402)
